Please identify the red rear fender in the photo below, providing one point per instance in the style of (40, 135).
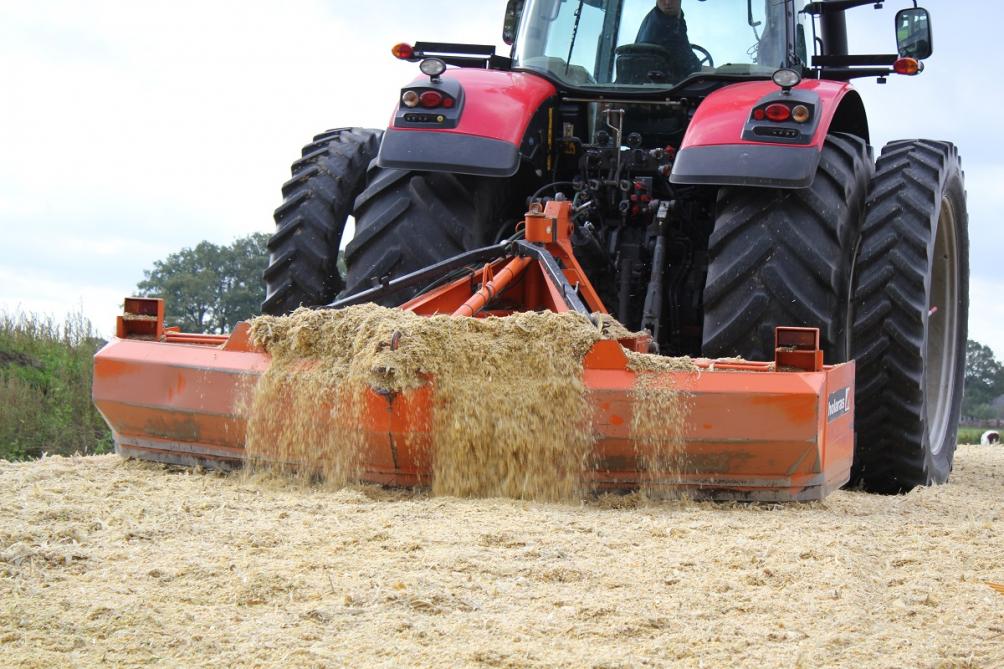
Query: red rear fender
(726, 145)
(481, 134)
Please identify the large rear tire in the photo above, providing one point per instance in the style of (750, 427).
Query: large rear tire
(303, 263)
(786, 257)
(408, 220)
(912, 308)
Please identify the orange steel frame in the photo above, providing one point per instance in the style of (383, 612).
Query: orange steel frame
(754, 431)
(519, 282)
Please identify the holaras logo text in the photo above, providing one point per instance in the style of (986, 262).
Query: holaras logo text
(840, 403)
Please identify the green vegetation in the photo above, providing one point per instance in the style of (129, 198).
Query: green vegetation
(46, 367)
(984, 383)
(970, 435)
(45, 388)
(210, 288)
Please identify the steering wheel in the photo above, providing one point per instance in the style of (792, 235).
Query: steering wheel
(707, 60)
(641, 49)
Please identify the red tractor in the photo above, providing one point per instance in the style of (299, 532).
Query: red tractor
(719, 169)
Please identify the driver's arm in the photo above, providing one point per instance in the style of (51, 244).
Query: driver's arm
(691, 62)
(654, 31)
(687, 60)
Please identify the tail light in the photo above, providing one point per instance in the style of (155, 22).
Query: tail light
(436, 105)
(410, 99)
(778, 113)
(431, 99)
(787, 118)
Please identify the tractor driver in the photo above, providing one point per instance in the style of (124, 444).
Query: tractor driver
(666, 27)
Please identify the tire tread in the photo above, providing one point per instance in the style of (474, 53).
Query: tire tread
(788, 254)
(317, 200)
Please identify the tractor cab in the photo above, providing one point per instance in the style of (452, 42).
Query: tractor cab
(646, 46)
(643, 45)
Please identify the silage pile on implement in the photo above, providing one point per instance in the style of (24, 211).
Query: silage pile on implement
(511, 416)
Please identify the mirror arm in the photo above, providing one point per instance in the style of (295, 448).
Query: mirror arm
(848, 73)
(749, 9)
(820, 8)
(860, 60)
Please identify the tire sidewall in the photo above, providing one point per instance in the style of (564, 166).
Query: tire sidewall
(939, 457)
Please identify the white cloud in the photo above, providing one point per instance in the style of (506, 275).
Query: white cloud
(34, 293)
(130, 130)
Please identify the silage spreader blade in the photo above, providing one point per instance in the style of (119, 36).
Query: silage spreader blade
(758, 431)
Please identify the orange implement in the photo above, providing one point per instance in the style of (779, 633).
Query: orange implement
(780, 431)
(751, 434)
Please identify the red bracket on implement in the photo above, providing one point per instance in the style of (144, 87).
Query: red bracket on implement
(142, 318)
(543, 229)
(797, 349)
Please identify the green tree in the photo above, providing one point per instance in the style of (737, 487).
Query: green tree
(984, 380)
(210, 288)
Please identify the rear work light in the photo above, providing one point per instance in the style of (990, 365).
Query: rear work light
(432, 67)
(403, 51)
(787, 79)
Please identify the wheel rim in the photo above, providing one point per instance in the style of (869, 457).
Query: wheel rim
(942, 329)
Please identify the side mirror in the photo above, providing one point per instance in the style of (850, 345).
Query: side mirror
(913, 33)
(513, 11)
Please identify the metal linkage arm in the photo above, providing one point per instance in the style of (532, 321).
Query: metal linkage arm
(554, 273)
(423, 276)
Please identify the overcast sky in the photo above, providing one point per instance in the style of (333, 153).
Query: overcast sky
(132, 128)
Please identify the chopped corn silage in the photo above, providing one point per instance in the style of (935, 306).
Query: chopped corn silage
(658, 426)
(511, 417)
(108, 562)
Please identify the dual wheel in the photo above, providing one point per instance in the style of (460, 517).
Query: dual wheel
(874, 256)
(878, 259)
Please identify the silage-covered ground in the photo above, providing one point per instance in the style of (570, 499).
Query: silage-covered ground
(105, 561)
